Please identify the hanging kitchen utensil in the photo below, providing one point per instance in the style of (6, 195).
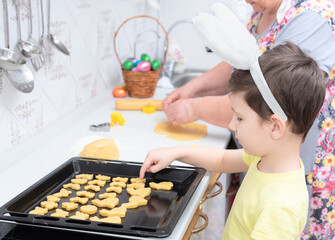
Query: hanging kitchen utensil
(22, 78)
(27, 48)
(37, 61)
(55, 42)
(43, 38)
(9, 59)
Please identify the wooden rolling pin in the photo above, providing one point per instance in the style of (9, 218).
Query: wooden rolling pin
(137, 104)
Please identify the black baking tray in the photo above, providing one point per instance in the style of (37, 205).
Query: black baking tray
(157, 219)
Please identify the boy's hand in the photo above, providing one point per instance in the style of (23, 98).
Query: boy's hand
(156, 160)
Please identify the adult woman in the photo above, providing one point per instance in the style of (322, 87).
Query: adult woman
(311, 25)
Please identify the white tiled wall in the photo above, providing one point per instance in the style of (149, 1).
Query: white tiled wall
(65, 83)
(87, 28)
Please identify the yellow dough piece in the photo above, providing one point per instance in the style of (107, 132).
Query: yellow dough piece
(80, 215)
(118, 211)
(143, 192)
(186, 132)
(85, 176)
(120, 179)
(100, 183)
(107, 195)
(135, 201)
(114, 219)
(136, 185)
(88, 209)
(85, 194)
(92, 187)
(60, 213)
(69, 205)
(102, 148)
(114, 189)
(83, 200)
(107, 202)
(62, 193)
(137, 180)
(49, 205)
(103, 178)
(161, 185)
(52, 198)
(80, 181)
(74, 186)
(39, 211)
(117, 184)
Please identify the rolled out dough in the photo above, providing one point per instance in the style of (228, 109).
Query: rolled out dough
(185, 132)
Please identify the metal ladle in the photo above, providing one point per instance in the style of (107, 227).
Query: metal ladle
(27, 48)
(55, 42)
(9, 59)
(22, 79)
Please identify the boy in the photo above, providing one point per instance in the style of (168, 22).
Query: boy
(272, 201)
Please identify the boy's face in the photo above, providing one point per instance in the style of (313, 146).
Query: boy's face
(250, 130)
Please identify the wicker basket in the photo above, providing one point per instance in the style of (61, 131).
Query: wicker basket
(141, 84)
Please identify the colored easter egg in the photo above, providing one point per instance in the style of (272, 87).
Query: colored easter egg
(127, 65)
(155, 64)
(134, 69)
(132, 59)
(144, 66)
(145, 57)
(137, 62)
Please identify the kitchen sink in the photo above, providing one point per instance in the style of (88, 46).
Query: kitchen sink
(179, 80)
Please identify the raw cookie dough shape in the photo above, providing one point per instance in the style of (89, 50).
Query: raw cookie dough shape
(85, 194)
(82, 200)
(74, 186)
(118, 211)
(114, 219)
(39, 211)
(100, 183)
(103, 148)
(120, 179)
(185, 132)
(85, 176)
(52, 198)
(143, 192)
(80, 215)
(62, 193)
(135, 201)
(114, 189)
(49, 205)
(136, 185)
(107, 202)
(107, 195)
(79, 181)
(138, 180)
(92, 187)
(69, 205)
(60, 213)
(88, 209)
(161, 185)
(103, 177)
(117, 184)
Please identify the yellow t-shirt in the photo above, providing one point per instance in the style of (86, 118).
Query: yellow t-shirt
(268, 205)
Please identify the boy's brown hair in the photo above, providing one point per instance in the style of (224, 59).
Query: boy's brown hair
(295, 81)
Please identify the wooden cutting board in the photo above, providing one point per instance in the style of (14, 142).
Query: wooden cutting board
(137, 104)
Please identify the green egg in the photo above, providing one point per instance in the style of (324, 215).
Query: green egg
(127, 65)
(155, 64)
(145, 57)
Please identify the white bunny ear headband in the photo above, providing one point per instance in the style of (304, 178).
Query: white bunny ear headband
(226, 35)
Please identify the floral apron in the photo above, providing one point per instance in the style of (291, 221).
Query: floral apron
(321, 224)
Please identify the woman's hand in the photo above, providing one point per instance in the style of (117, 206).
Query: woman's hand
(180, 93)
(183, 111)
(158, 159)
